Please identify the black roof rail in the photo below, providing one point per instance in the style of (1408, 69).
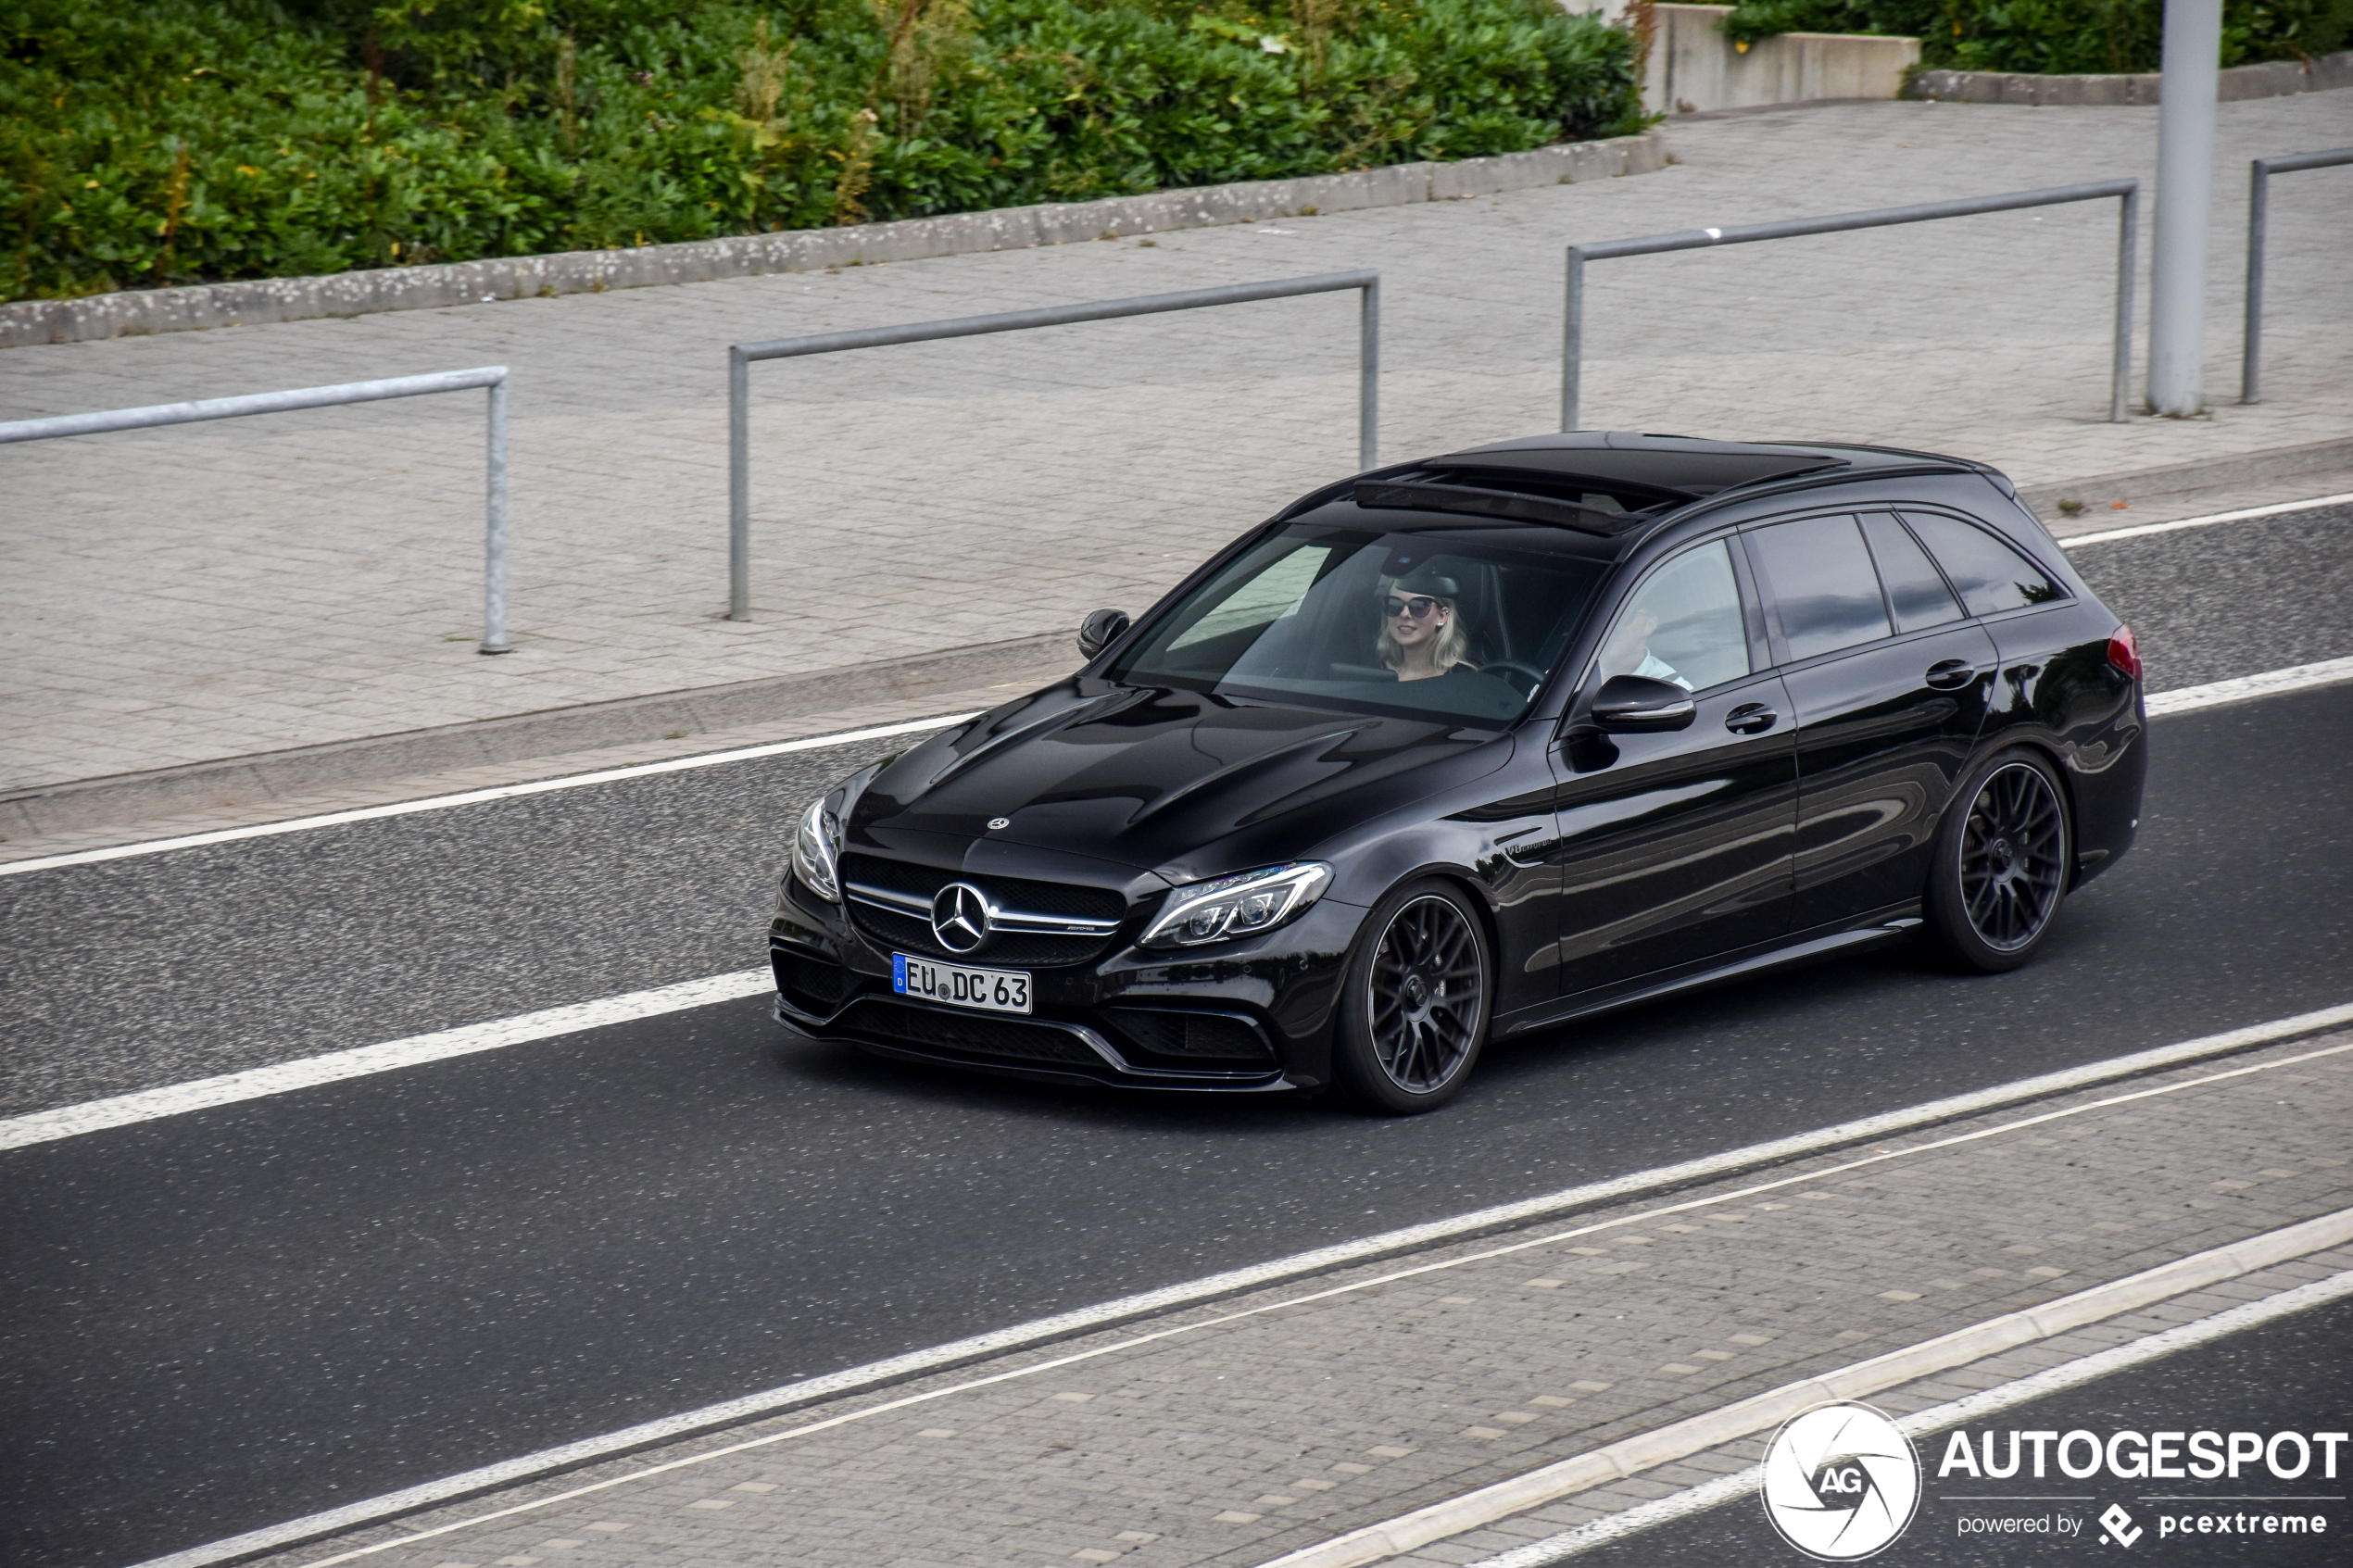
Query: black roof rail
(1510, 505)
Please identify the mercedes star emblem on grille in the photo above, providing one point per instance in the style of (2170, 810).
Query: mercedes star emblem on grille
(960, 917)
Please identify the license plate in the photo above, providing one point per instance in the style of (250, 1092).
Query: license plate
(991, 990)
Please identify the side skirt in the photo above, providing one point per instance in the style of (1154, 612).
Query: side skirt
(1885, 926)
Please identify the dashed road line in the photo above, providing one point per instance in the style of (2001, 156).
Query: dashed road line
(2143, 529)
(2271, 683)
(477, 797)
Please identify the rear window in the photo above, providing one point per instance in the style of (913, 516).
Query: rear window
(1915, 590)
(1991, 575)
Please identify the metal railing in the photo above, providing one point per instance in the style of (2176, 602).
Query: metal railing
(740, 357)
(2127, 191)
(2258, 207)
(494, 377)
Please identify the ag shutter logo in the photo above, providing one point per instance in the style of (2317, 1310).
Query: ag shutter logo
(1841, 1481)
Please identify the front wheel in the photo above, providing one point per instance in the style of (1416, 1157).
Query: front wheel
(1413, 1010)
(2002, 856)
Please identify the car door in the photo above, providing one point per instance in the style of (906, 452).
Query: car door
(1675, 846)
(1889, 681)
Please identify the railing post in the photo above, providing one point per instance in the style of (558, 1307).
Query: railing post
(1572, 336)
(2128, 233)
(1368, 378)
(2258, 192)
(494, 563)
(738, 488)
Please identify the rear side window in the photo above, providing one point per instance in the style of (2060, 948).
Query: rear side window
(1990, 574)
(1915, 591)
(1819, 579)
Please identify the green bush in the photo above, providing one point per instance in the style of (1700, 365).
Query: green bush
(2058, 37)
(173, 141)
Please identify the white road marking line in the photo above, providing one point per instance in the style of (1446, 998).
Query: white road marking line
(2272, 682)
(1150, 1303)
(476, 797)
(2143, 529)
(1939, 1418)
(174, 1100)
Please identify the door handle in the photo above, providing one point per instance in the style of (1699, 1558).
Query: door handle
(1948, 674)
(1751, 719)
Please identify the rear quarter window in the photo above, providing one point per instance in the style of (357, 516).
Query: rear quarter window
(1990, 574)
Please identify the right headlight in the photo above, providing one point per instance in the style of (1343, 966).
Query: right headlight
(815, 844)
(1240, 905)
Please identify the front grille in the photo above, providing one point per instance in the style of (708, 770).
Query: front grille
(813, 984)
(907, 932)
(1191, 1038)
(1004, 1038)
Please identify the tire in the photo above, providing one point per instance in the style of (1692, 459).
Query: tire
(1414, 1007)
(2005, 854)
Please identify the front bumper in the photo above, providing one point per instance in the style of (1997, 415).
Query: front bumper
(1247, 1017)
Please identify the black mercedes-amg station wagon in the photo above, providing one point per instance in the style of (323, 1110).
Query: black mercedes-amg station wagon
(1479, 745)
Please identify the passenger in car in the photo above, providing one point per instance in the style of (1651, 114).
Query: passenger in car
(1421, 636)
(1629, 652)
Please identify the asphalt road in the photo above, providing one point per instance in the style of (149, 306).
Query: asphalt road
(2261, 1381)
(228, 1318)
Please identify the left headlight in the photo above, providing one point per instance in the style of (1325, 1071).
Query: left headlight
(1240, 905)
(815, 844)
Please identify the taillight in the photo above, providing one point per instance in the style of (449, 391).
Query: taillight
(2124, 653)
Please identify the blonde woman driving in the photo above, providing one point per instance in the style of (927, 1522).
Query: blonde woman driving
(1421, 636)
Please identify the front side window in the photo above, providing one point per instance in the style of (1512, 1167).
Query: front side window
(1444, 626)
(1991, 575)
(1818, 578)
(1683, 624)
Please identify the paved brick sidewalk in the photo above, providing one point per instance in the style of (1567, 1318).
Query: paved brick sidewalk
(175, 595)
(1230, 1433)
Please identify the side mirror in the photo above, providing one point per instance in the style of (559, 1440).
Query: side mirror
(1636, 704)
(1101, 629)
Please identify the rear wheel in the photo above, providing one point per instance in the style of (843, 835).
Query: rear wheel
(1413, 1010)
(2002, 856)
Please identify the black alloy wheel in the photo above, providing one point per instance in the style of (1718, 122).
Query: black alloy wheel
(2003, 861)
(1413, 1014)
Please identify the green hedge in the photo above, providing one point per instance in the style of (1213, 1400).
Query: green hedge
(150, 142)
(2058, 37)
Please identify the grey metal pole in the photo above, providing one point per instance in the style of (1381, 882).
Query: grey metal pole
(738, 486)
(2258, 192)
(2185, 206)
(494, 561)
(1572, 337)
(2120, 376)
(1368, 379)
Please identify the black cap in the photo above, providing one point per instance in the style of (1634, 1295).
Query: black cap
(1436, 584)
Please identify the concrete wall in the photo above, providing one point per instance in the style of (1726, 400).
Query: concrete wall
(2274, 79)
(1694, 68)
(800, 250)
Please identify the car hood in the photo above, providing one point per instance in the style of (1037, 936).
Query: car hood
(1147, 777)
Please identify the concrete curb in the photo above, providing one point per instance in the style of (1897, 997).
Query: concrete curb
(443, 285)
(2273, 79)
(700, 711)
(1762, 1413)
(2268, 466)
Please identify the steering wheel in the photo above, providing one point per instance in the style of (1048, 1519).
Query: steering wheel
(1535, 676)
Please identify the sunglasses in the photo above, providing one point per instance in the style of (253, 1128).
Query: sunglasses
(1417, 607)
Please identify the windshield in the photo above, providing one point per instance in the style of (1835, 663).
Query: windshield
(1433, 626)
